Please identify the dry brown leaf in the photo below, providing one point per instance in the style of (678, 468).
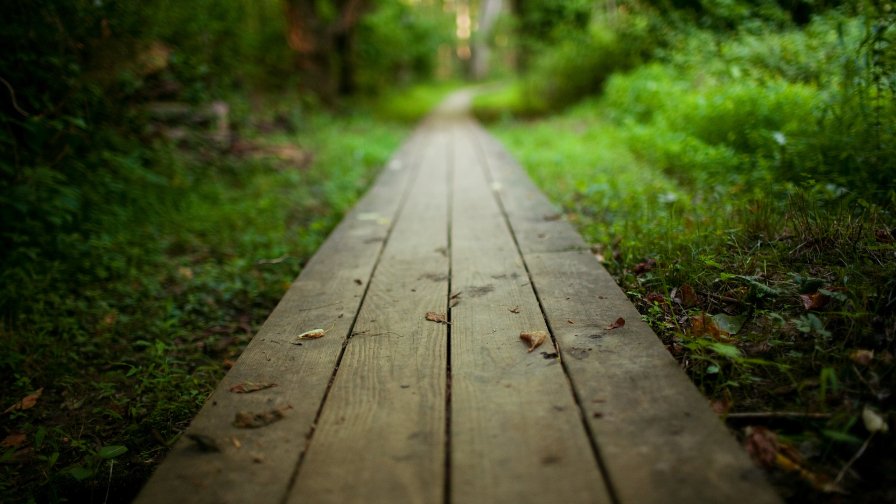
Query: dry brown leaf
(515, 309)
(762, 445)
(620, 322)
(250, 420)
(312, 334)
(687, 297)
(14, 440)
(704, 325)
(245, 388)
(438, 318)
(235, 442)
(534, 338)
(815, 300)
(862, 357)
(27, 402)
(644, 267)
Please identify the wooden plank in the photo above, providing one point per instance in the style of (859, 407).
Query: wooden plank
(256, 465)
(381, 435)
(516, 432)
(657, 437)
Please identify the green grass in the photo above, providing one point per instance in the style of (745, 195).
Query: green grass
(681, 190)
(412, 104)
(129, 332)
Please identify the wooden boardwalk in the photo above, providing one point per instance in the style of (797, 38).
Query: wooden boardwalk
(389, 407)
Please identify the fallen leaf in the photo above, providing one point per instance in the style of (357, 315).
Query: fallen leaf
(453, 300)
(644, 267)
(312, 334)
(437, 317)
(533, 338)
(235, 442)
(185, 272)
(762, 445)
(569, 321)
(250, 420)
(687, 296)
(14, 440)
(861, 356)
(620, 322)
(515, 309)
(728, 323)
(204, 443)
(815, 300)
(656, 297)
(245, 388)
(721, 407)
(874, 422)
(705, 325)
(27, 402)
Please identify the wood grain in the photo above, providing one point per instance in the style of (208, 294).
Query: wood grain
(657, 437)
(381, 433)
(516, 433)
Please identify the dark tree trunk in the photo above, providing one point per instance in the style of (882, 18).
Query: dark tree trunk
(324, 48)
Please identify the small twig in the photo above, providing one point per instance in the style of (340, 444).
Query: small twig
(12, 95)
(777, 414)
(109, 486)
(852, 461)
(273, 261)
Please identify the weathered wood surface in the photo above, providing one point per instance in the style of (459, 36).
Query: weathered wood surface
(391, 407)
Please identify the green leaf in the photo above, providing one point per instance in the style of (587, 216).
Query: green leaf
(111, 451)
(842, 437)
(712, 369)
(728, 323)
(725, 350)
(79, 472)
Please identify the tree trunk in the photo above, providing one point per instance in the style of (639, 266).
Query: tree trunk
(323, 48)
(488, 14)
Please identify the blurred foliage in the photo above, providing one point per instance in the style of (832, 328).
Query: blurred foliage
(737, 177)
(161, 183)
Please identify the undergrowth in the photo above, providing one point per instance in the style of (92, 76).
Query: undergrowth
(130, 325)
(737, 187)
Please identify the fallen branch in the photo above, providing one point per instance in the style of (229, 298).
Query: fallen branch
(776, 414)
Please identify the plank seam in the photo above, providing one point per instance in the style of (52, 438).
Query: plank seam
(450, 194)
(595, 449)
(417, 157)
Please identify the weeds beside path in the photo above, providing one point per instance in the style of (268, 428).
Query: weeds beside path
(126, 332)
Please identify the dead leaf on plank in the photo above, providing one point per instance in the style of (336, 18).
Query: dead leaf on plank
(453, 300)
(14, 440)
(620, 322)
(515, 309)
(245, 388)
(250, 420)
(533, 338)
(312, 334)
(438, 318)
(27, 402)
(204, 443)
(235, 442)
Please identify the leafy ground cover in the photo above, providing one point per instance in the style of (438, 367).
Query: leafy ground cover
(718, 183)
(112, 347)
